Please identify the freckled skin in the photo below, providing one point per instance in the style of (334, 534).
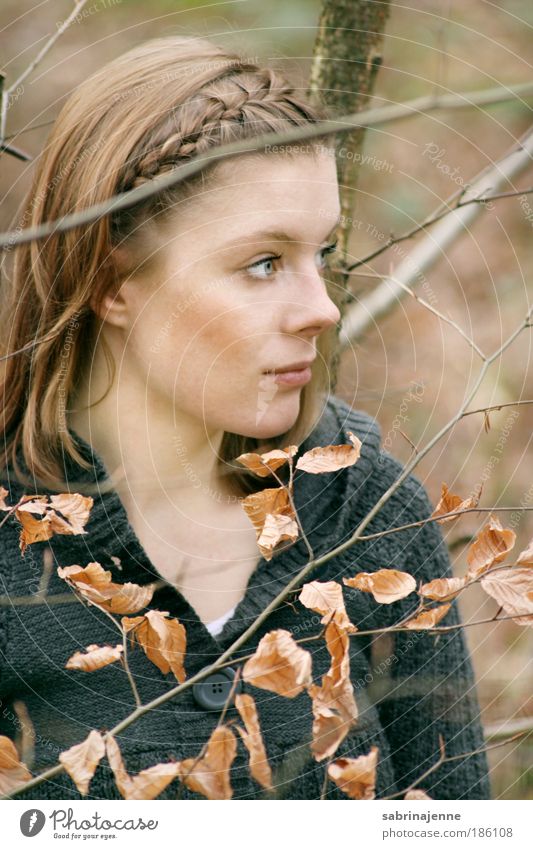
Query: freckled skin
(203, 333)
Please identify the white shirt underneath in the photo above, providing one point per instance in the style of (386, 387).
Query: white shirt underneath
(216, 626)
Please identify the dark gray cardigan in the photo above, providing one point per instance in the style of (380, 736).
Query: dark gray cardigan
(409, 687)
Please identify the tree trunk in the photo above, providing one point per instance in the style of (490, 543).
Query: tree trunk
(346, 59)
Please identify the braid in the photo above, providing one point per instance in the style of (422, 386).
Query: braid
(240, 97)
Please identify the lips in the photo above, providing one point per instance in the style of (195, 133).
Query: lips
(303, 364)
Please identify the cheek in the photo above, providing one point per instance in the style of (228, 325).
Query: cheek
(220, 335)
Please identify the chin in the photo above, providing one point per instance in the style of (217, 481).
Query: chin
(272, 421)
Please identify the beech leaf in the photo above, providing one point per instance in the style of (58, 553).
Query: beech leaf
(210, 774)
(331, 457)
(417, 794)
(279, 664)
(274, 502)
(386, 585)
(148, 783)
(80, 761)
(491, 545)
(356, 776)
(333, 702)
(13, 772)
(525, 558)
(66, 513)
(95, 657)
(3, 493)
(273, 460)
(428, 618)
(276, 529)
(449, 501)
(163, 640)
(95, 584)
(513, 589)
(442, 589)
(326, 597)
(253, 740)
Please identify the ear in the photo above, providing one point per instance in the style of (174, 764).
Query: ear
(112, 307)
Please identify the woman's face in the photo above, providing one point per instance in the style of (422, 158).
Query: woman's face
(241, 293)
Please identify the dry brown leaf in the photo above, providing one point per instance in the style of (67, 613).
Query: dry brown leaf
(95, 657)
(13, 772)
(428, 619)
(449, 501)
(148, 783)
(80, 761)
(512, 588)
(253, 740)
(275, 530)
(525, 558)
(70, 512)
(210, 774)
(442, 589)
(66, 513)
(492, 545)
(356, 776)
(33, 530)
(417, 794)
(36, 504)
(326, 597)
(3, 494)
(386, 585)
(279, 664)
(273, 460)
(163, 640)
(334, 706)
(258, 505)
(95, 584)
(330, 458)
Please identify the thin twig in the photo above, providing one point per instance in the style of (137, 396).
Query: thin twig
(33, 64)
(443, 758)
(131, 679)
(431, 219)
(436, 312)
(409, 108)
(497, 407)
(125, 200)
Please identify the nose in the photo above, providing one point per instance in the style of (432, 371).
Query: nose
(310, 310)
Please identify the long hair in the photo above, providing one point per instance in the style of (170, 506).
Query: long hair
(156, 106)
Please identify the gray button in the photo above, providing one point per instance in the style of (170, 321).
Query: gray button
(211, 693)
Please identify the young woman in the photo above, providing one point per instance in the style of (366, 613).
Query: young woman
(170, 338)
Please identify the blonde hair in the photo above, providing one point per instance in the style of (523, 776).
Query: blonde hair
(162, 103)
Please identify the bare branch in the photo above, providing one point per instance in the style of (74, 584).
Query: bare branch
(443, 758)
(125, 200)
(410, 272)
(439, 315)
(33, 64)
(503, 728)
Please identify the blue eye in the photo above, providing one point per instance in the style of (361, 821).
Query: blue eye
(269, 260)
(325, 252)
(259, 263)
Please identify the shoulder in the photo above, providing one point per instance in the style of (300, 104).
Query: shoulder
(376, 470)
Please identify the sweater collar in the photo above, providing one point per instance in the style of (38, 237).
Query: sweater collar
(323, 502)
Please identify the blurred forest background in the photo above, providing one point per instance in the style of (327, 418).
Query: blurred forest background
(483, 281)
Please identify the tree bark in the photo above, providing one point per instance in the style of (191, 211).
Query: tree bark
(346, 59)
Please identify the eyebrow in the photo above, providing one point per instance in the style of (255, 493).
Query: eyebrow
(273, 236)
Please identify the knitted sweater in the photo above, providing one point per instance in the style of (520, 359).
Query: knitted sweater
(410, 687)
